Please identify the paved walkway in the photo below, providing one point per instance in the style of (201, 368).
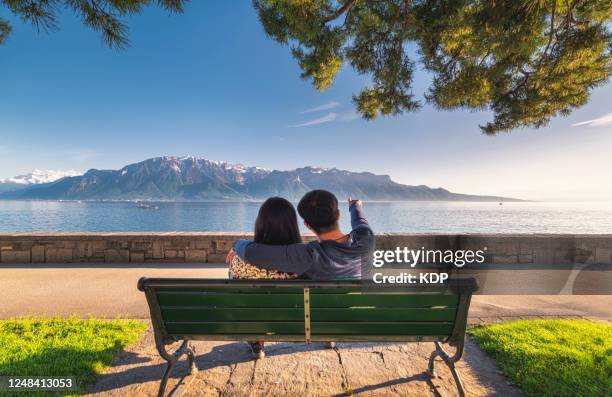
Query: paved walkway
(297, 369)
(109, 290)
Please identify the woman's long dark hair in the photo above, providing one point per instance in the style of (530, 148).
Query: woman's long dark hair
(276, 223)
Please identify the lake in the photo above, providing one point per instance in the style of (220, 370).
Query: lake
(414, 216)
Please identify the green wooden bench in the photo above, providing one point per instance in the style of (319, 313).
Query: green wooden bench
(298, 311)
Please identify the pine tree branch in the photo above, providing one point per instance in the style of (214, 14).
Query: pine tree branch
(527, 75)
(551, 35)
(5, 30)
(40, 13)
(405, 12)
(172, 5)
(345, 8)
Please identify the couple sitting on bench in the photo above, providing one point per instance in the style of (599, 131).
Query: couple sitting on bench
(277, 250)
(183, 310)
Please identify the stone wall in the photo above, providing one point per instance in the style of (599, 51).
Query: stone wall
(213, 247)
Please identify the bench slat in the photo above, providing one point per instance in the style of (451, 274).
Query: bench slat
(175, 313)
(288, 290)
(383, 314)
(195, 313)
(236, 290)
(320, 338)
(318, 328)
(236, 328)
(380, 328)
(261, 290)
(383, 300)
(230, 300)
(392, 290)
(214, 299)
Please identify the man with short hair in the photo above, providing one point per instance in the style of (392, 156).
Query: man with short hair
(334, 255)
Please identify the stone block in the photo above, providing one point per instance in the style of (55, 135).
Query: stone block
(116, 255)
(20, 246)
(158, 250)
(603, 255)
(543, 256)
(99, 246)
(223, 246)
(582, 255)
(176, 244)
(203, 244)
(10, 256)
(171, 254)
(85, 249)
(503, 259)
(114, 244)
(69, 244)
(504, 248)
(525, 248)
(58, 255)
(140, 245)
(564, 257)
(38, 254)
(195, 256)
(137, 257)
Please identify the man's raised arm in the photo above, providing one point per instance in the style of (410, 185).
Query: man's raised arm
(357, 214)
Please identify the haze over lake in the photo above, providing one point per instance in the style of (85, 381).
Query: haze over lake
(414, 216)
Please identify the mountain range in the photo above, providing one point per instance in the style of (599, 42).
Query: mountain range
(198, 179)
(35, 177)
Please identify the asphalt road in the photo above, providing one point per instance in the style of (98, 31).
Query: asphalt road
(109, 290)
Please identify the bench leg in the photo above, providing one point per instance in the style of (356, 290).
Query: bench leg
(173, 358)
(450, 362)
(164, 381)
(193, 369)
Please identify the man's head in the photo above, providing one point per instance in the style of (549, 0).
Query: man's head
(319, 209)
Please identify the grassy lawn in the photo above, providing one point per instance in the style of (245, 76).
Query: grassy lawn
(552, 357)
(63, 347)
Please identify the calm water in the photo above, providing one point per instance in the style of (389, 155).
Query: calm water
(23, 216)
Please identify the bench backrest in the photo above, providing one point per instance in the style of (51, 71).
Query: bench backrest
(296, 310)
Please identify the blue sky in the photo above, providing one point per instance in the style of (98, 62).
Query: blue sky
(210, 83)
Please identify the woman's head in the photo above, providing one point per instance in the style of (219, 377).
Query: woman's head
(277, 223)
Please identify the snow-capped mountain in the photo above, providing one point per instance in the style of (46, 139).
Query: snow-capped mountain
(39, 176)
(35, 177)
(199, 179)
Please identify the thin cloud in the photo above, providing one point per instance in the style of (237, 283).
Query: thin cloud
(598, 122)
(328, 118)
(331, 117)
(326, 106)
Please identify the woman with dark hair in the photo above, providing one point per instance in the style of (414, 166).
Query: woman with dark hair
(276, 224)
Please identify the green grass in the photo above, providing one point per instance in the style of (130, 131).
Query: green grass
(552, 357)
(63, 347)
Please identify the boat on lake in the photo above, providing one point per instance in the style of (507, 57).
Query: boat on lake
(147, 206)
